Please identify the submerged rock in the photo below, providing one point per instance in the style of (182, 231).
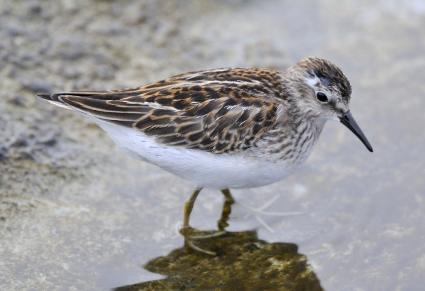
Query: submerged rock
(244, 262)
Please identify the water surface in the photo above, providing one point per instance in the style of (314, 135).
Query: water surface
(81, 214)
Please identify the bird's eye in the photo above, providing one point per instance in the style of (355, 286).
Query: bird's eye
(322, 97)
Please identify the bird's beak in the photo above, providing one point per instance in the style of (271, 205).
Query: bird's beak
(348, 120)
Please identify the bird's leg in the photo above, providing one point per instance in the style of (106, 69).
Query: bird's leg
(188, 232)
(188, 206)
(222, 222)
(227, 209)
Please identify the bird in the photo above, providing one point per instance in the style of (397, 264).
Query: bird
(226, 128)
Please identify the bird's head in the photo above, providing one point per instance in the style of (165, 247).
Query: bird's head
(324, 91)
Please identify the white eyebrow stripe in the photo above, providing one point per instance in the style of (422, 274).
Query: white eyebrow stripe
(312, 81)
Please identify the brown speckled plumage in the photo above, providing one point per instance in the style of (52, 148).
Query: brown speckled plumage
(221, 111)
(263, 113)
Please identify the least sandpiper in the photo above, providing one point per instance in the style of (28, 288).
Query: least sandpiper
(223, 128)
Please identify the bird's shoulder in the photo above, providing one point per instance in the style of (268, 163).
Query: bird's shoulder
(221, 110)
(199, 86)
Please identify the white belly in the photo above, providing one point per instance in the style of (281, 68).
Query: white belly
(202, 168)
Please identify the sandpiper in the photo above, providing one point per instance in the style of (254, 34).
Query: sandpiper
(223, 128)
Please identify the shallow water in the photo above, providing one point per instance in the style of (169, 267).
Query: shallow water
(81, 214)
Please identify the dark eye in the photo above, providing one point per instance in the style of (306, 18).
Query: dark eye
(322, 97)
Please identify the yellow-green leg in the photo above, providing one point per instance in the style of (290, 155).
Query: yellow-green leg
(186, 229)
(188, 232)
(188, 206)
(227, 209)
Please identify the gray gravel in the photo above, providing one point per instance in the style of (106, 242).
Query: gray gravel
(78, 214)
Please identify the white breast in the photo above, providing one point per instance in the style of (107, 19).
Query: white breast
(202, 168)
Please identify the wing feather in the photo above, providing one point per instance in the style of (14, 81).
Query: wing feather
(220, 111)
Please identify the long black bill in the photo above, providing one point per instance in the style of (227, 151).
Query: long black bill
(348, 120)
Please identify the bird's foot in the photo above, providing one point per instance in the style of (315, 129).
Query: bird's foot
(191, 235)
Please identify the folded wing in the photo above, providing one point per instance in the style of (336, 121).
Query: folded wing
(220, 111)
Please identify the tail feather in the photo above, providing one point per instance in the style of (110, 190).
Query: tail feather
(53, 98)
(45, 96)
(104, 105)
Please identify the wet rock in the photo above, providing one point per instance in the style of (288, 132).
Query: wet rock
(244, 263)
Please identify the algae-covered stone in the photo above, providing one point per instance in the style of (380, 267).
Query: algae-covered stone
(244, 262)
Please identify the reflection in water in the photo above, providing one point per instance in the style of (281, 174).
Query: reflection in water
(242, 262)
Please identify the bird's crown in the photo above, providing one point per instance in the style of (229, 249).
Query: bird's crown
(328, 73)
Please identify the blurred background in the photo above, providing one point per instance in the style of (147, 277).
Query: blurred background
(76, 213)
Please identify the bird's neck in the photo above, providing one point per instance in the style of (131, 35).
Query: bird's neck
(293, 141)
(306, 132)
